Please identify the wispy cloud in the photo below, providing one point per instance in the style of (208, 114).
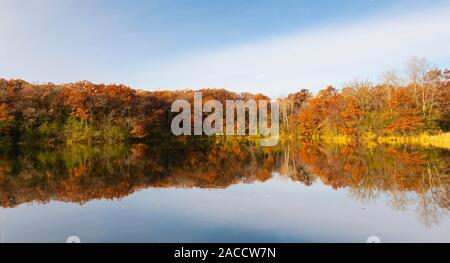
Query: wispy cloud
(310, 59)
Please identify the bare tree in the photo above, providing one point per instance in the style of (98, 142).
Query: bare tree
(417, 69)
(391, 81)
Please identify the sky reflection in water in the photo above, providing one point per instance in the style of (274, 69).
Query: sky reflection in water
(224, 192)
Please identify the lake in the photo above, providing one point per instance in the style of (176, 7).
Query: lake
(224, 191)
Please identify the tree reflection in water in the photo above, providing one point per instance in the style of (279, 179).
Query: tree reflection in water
(417, 177)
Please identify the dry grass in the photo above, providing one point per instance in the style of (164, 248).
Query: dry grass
(440, 141)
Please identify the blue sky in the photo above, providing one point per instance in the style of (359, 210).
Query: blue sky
(274, 47)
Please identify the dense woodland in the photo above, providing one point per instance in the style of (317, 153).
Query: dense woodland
(83, 112)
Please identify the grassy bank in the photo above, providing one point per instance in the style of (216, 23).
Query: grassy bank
(440, 141)
(371, 140)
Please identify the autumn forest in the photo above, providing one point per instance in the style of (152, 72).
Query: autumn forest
(417, 103)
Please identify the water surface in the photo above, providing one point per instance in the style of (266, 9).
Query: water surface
(224, 191)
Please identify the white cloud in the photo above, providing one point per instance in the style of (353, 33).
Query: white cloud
(311, 59)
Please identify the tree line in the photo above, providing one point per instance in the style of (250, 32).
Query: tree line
(91, 113)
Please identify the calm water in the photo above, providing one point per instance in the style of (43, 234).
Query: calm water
(229, 191)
